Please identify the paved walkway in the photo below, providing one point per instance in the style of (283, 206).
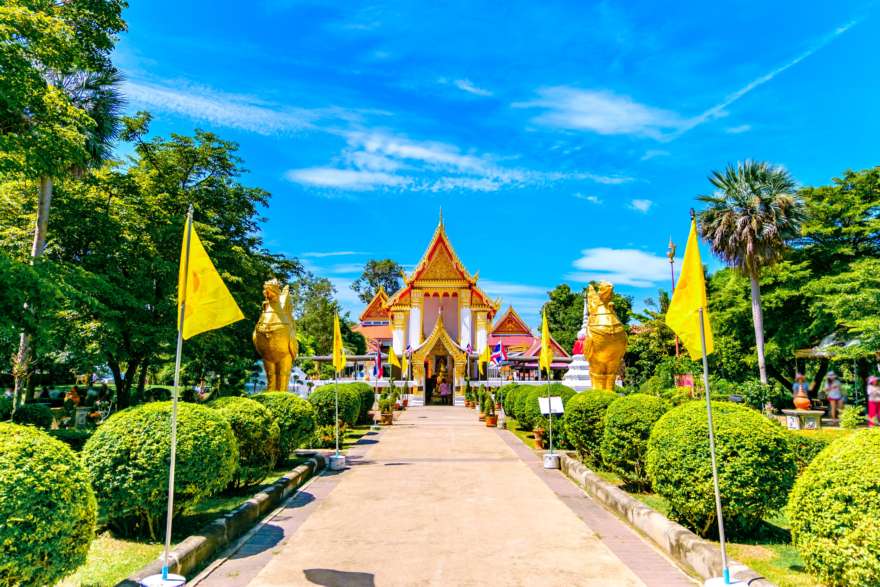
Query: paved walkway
(442, 500)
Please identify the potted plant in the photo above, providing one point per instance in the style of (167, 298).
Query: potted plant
(491, 418)
(386, 408)
(405, 400)
(468, 394)
(539, 437)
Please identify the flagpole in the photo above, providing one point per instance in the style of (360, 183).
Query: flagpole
(726, 570)
(175, 393)
(337, 410)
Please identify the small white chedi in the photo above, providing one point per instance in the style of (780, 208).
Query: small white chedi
(578, 375)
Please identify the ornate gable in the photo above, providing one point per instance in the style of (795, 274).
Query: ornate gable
(511, 323)
(440, 264)
(441, 337)
(375, 311)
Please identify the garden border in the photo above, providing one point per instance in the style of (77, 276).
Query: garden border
(201, 546)
(685, 547)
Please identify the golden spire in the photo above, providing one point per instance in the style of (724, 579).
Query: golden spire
(441, 216)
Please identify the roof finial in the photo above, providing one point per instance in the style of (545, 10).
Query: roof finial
(441, 216)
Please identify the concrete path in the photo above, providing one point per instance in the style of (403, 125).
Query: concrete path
(442, 500)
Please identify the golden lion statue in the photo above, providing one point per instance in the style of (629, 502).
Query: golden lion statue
(275, 335)
(605, 344)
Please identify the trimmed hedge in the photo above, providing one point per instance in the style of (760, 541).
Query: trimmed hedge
(367, 398)
(522, 399)
(756, 468)
(532, 417)
(835, 512)
(627, 426)
(324, 401)
(47, 508)
(127, 459)
(39, 415)
(805, 446)
(258, 436)
(585, 422)
(510, 399)
(75, 438)
(296, 419)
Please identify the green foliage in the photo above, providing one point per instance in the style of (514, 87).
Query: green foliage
(565, 312)
(852, 417)
(48, 508)
(367, 398)
(296, 419)
(510, 399)
(628, 423)
(325, 437)
(755, 466)
(585, 423)
(757, 394)
(383, 273)
(36, 414)
(532, 417)
(522, 398)
(5, 409)
(75, 438)
(258, 437)
(127, 459)
(324, 401)
(833, 510)
(805, 445)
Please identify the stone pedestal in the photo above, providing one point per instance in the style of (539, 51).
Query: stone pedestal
(803, 419)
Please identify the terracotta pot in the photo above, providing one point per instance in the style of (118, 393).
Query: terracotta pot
(491, 421)
(802, 401)
(539, 437)
(467, 403)
(405, 403)
(387, 419)
(482, 417)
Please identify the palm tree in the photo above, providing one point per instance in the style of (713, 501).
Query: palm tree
(97, 94)
(748, 222)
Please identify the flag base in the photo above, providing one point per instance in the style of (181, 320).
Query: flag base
(551, 461)
(337, 462)
(375, 428)
(158, 581)
(720, 582)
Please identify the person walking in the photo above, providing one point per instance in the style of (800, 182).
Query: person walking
(833, 393)
(873, 401)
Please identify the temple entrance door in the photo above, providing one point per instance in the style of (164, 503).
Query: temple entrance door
(438, 379)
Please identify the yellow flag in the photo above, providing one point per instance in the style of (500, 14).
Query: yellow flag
(683, 315)
(209, 304)
(338, 351)
(546, 357)
(483, 359)
(392, 358)
(404, 365)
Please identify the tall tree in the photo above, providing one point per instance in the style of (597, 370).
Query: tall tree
(565, 312)
(748, 221)
(384, 273)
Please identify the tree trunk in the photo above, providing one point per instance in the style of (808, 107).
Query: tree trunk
(123, 380)
(758, 319)
(21, 367)
(817, 378)
(775, 373)
(142, 380)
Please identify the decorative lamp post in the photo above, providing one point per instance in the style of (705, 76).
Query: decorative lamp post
(670, 253)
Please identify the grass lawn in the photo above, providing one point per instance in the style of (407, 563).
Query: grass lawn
(526, 436)
(353, 434)
(770, 552)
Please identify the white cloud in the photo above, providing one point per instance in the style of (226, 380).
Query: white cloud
(525, 299)
(345, 179)
(621, 267)
(588, 198)
(346, 296)
(653, 154)
(600, 111)
(735, 130)
(466, 85)
(321, 254)
(642, 206)
(225, 109)
(346, 268)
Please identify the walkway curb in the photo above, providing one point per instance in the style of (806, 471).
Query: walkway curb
(685, 547)
(214, 536)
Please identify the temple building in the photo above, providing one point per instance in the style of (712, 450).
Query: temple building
(440, 313)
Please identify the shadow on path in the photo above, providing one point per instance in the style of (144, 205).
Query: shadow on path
(331, 578)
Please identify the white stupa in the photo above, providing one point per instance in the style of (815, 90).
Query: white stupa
(578, 375)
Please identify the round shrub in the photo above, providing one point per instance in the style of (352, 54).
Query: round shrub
(805, 446)
(756, 468)
(627, 426)
(257, 434)
(367, 398)
(522, 398)
(511, 397)
(75, 438)
(585, 422)
(531, 415)
(295, 417)
(47, 508)
(35, 414)
(324, 400)
(5, 408)
(128, 455)
(834, 512)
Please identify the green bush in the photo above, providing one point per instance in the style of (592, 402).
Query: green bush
(585, 423)
(366, 398)
(834, 512)
(324, 401)
(75, 438)
(5, 408)
(296, 419)
(510, 399)
(258, 436)
(852, 417)
(805, 445)
(501, 392)
(627, 426)
(532, 417)
(755, 466)
(756, 394)
(47, 508)
(522, 399)
(36, 414)
(325, 437)
(127, 458)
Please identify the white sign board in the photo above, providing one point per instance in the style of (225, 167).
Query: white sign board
(548, 404)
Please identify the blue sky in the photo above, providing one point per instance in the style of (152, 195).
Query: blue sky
(565, 141)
